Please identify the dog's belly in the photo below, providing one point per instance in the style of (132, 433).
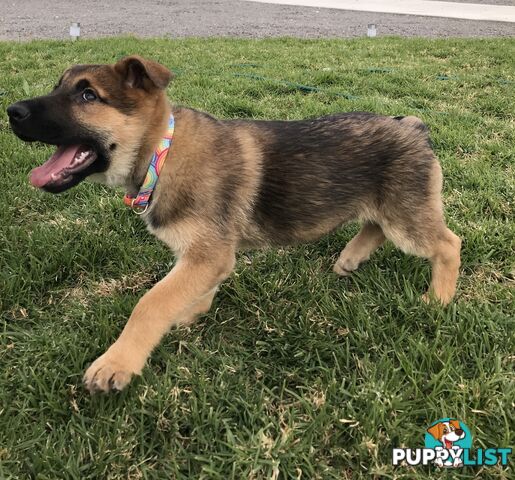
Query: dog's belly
(292, 231)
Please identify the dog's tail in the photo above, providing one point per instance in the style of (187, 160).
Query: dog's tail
(414, 122)
(417, 124)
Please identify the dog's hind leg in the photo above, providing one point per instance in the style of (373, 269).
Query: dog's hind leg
(416, 225)
(359, 249)
(437, 243)
(445, 260)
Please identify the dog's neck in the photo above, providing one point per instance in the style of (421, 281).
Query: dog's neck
(155, 131)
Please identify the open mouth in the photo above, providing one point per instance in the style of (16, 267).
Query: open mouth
(62, 166)
(448, 444)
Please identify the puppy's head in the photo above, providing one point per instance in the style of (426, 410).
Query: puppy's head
(98, 117)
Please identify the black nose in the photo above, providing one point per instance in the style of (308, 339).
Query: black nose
(459, 432)
(18, 112)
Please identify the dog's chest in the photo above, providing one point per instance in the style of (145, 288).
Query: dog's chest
(177, 236)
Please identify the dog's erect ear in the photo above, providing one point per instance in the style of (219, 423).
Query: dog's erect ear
(436, 431)
(139, 72)
(455, 424)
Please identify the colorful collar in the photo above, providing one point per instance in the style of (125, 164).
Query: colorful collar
(140, 202)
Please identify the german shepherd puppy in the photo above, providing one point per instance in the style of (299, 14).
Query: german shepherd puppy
(231, 184)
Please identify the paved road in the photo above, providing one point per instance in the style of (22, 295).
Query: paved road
(24, 19)
(428, 8)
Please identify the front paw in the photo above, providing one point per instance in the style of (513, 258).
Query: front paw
(107, 373)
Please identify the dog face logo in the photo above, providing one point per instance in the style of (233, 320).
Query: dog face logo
(447, 432)
(97, 116)
(451, 435)
(448, 443)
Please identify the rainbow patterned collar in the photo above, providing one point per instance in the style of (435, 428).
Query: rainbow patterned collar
(140, 202)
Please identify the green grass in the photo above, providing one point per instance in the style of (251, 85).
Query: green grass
(294, 373)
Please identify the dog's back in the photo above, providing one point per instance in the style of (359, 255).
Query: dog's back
(317, 174)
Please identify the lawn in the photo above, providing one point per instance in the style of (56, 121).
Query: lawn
(295, 372)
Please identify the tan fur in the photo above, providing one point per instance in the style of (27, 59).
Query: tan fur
(172, 300)
(359, 249)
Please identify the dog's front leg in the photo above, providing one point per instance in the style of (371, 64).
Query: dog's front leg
(187, 290)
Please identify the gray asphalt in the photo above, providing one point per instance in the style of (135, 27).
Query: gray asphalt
(25, 20)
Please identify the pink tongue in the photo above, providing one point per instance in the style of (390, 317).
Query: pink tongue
(60, 160)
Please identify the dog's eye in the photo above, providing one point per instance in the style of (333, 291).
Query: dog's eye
(445, 430)
(89, 95)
